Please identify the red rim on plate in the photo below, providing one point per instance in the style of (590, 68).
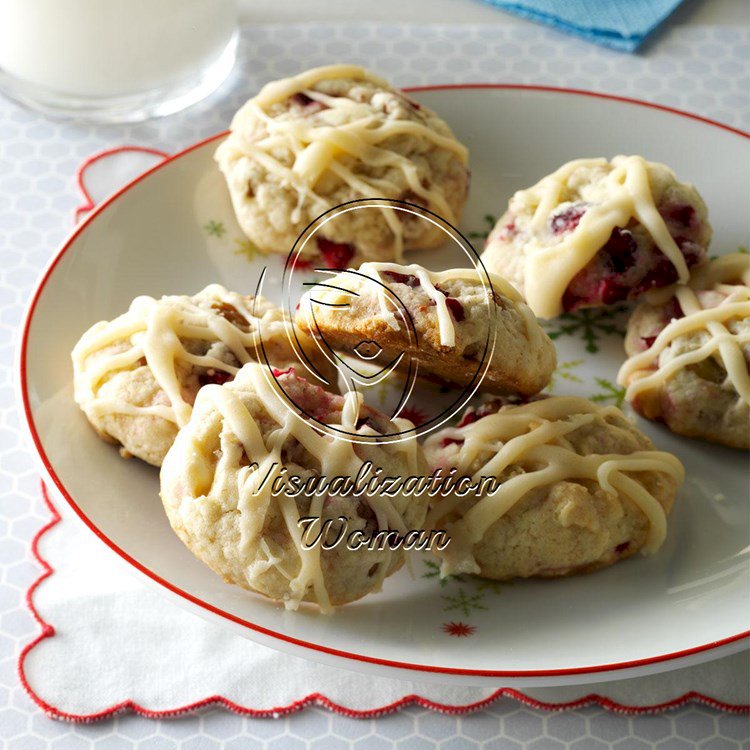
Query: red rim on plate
(46, 274)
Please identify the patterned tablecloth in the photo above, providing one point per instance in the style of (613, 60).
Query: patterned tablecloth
(703, 69)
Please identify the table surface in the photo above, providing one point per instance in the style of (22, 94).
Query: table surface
(699, 63)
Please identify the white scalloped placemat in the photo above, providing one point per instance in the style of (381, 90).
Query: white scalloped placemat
(113, 643)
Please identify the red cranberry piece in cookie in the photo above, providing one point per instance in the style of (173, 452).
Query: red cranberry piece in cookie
(402, 278)
(470, 416)
(574, 296)
(474, 413)
(611, 292)
(629, 265)
(674, 309)
(214, 377)
(450, 441)
(663, 274)
(305, 103)
(620, 250)
(302, 99)
(567, 220)
(456, 308)
(335, 254)
(508, 230)
(680, 214)
(693, 252)
(602, 280)
(671, 311)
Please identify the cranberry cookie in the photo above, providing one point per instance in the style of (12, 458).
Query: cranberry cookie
(579, 489)
(136, 376)
(447, 324)
(689, 349)
(220, 491)
(336, 134)
(597, 232)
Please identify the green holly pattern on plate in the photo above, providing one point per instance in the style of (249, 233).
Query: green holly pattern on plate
(215, 228)
(589, 325)
(489, 223)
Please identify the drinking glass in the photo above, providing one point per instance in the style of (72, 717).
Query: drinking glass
(115, 60)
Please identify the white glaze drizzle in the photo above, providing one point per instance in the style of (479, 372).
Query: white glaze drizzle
(337, 457)
(728, 275)
(155, 330)
(622, 194)
(345, 130)
(533, 436)
(429, 281)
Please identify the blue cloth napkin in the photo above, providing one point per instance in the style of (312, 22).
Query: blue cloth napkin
(620, 24)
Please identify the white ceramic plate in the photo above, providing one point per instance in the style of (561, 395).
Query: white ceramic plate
(687, 603)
